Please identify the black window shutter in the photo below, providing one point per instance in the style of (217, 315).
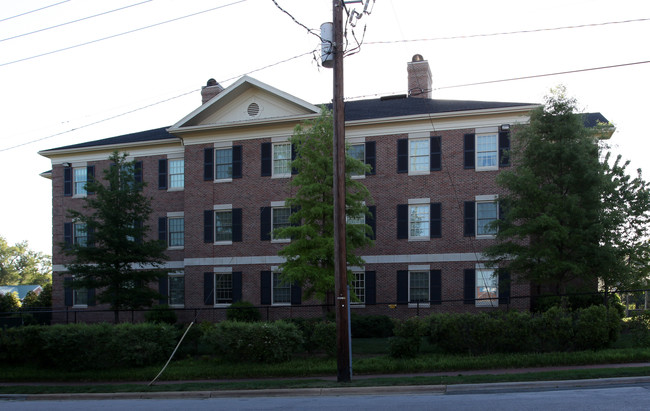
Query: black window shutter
(265, 288)
(67, 181)
(91, 236)
(267, 159)
(208, 164)
(402, 287)
(137, 172)
(371, 220)
(504, 148)
(371, 287)
(403, 155)
(504, 286)
(371, 157)
(237, 161)
(435, 159)
(67, 291)
(469, 284)
(435, 280)
(208, 288)
(208, 226)
(436, 220)
(265, 224)
(236, 286)
(468, 149)
(402, 221)
(90, 177)
(236, 225)
(91, 297)
(162, 229)
(469, 219)
(163, 290)
(293, 158)
(67, 234)
(162, 174)
(296, 294)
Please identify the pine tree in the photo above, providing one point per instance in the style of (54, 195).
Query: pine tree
(117, 259)
(310, 255)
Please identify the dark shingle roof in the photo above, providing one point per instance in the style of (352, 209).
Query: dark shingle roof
(139, 137)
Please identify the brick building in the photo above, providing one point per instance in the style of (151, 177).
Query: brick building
(219, 178)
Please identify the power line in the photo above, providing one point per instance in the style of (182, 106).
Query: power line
(149, 105)
(505, 33)
(121, 34)
(33, 11)
(74, 21)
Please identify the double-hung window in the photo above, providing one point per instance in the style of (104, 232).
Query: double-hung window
(223, 163)
(487, 150)
(176, 289)
(223, 288)
(282, 159)
(177, 174)
(222, 226)
(80, 234)
(280, 290)
(80, 178)
(419, 156)
(79, 296)
(279, 220)
(176, 231)
(419, 287)
(359, 287)
(357, 152)
(487, 287)
(487, 212)
(419, 222)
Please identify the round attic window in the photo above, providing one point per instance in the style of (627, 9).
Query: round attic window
(253, 109)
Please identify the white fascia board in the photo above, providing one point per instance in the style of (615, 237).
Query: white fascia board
(110, 147)
(244, 123)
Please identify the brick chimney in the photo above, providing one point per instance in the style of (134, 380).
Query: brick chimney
(211, 89)
(419, 77)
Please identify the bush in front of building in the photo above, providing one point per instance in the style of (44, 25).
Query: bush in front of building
(75, 347)
(407, 338)
(161, 314)
(556, 329)
(243, 311)
(371, 326)
(254, 342)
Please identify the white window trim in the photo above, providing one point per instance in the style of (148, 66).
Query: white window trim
(494, 302)
(74, 303)
(215, 271)
(175, 214)
(274, 205)
(173, 157)
(491, 198)
(74, 166)
(418, 268)
(274, 271)
(486, 131)
(176, 274)
(355, 141)
(221, 207)
(275, 141)
(359, 270)
(220, 145)
(419, 136)
(418, 202)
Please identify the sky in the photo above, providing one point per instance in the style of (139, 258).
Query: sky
(123, 66)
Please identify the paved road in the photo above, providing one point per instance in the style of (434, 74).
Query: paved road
(615, 397)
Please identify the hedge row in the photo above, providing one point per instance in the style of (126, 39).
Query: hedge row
(590, 328)
(88, 346)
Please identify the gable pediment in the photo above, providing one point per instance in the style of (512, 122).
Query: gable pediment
(247, 101)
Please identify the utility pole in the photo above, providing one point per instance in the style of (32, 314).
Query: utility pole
(340, 260)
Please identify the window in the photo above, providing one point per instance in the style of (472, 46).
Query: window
(486, 214)
(223, 163)
(419, 287)
(279, 219)
(280, 291)
(358, 152)
(223, 286)
(223, 226)
(80, 234)
(487, 290)
(176, 232)
(419, 221)
(176, 287)
(359, 287)
(419, 155)
(487, 151)
(80, 179)
(80, 297)
(176, 173)
(360, 219)
(282, 160)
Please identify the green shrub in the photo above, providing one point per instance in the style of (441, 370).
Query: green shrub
(21, 345)
(591, 328)
(407, 338)
(554, 330)
(306, 327)
(324, 337)
(254, 342)
(161, 314)
(243, 311)
(371, 326)
(639, 326)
